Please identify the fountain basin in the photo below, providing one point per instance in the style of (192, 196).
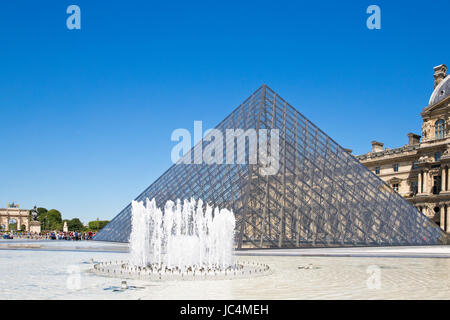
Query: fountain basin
(154, 272)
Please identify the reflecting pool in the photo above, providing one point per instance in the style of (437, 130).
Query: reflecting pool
(61, 270)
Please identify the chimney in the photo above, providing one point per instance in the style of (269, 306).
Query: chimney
(440, 72)
(413, 139)
(377, 146)
(348, 150)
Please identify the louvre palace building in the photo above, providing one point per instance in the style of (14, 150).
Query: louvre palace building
(419, 171)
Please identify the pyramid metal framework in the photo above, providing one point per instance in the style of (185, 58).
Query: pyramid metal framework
(321, 195)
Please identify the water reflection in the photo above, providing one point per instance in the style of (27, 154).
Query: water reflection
(43, 275)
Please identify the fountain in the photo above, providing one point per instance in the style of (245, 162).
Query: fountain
(188, 241)
(182, 237)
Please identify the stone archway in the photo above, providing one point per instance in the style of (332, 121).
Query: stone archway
(12, 225)
(20, 216)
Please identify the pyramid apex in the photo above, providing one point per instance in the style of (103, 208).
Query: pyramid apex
(265, 86)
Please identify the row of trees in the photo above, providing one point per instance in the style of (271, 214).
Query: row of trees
(52, 220)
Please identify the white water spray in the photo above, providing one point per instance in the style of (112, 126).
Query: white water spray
(185, 236)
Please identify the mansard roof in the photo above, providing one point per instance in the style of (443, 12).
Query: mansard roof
(441, 91)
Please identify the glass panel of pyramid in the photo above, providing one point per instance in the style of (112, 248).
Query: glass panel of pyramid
(320, 196)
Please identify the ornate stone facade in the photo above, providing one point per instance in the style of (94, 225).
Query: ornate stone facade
(21, 217)
(419, 171)
(14, 215)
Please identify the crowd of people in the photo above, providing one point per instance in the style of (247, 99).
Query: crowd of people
(49, 235)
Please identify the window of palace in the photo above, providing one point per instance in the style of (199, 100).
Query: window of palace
(439, 128)
(415, 165)
(436, 184)
(377, 170)
(395, 167)
(437, 155)
(395, 187)
(414, 187)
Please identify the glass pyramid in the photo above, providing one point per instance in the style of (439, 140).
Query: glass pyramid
(320, 196)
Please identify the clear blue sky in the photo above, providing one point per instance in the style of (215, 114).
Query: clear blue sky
(86, 115)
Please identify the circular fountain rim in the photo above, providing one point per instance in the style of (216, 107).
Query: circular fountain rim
(241, 270)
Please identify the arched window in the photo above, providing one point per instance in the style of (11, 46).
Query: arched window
(439, 128)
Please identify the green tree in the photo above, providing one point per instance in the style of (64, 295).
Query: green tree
(50, 220)
(54, 220)
(42, 217)
(97, 224)
(75, 225)
(42, 210)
